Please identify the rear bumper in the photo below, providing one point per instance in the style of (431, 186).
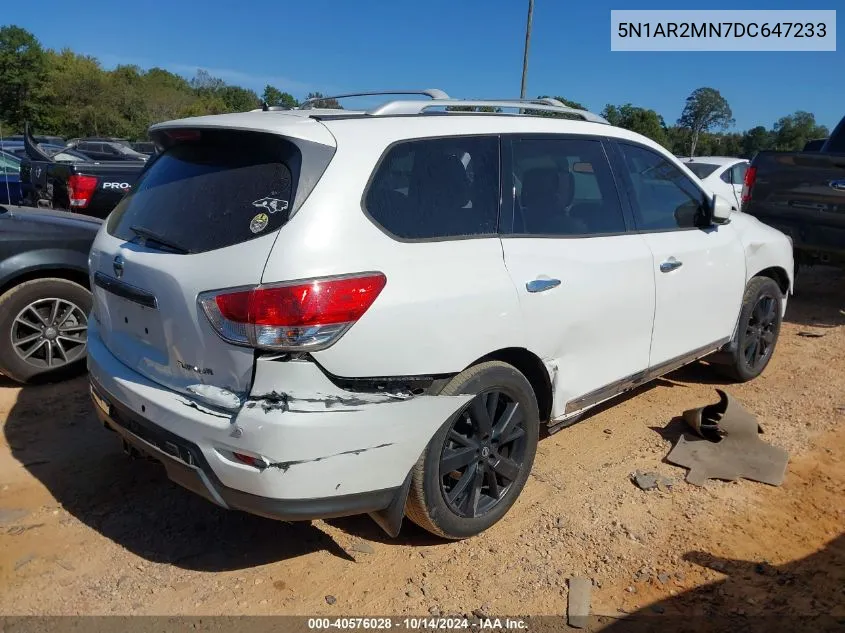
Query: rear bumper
(322, 451)
(186, 466)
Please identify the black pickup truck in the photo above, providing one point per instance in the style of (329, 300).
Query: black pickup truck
(803, 195)
(87, 187)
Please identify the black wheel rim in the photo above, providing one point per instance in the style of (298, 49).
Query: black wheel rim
(50, 333)
(483, 455)
(760, 332)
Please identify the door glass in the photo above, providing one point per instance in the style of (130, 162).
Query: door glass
(564, 187)
(663, 197)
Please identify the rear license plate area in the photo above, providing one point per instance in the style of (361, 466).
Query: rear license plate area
(132, 320)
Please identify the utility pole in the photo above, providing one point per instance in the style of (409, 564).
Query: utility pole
(527, 42)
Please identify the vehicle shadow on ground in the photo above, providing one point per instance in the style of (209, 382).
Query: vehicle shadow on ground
(53, 432)
(803, 595)
(819, 299)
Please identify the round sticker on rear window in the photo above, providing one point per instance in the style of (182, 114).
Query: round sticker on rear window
(259, 223)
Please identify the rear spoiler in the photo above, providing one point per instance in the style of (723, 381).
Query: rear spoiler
(31, 147)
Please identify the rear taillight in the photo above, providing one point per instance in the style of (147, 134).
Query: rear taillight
(750, 177)
(80, 189)
(299, 316)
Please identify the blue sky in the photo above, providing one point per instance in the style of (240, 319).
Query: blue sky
(470, 48)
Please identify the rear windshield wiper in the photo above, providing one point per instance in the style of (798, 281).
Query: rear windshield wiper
(149, 235)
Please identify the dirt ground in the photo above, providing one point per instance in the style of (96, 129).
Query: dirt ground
(86, 530)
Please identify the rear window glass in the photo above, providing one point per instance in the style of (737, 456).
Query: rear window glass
(437, 188)
(223, 189)
(702, 170)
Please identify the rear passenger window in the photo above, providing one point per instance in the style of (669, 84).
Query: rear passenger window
(437, 188)
(664, 198)
(564, 187)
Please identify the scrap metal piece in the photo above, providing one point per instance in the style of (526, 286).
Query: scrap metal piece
(727, 446)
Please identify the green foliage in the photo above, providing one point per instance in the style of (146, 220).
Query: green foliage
(793, 131)
(22, 75)
(640, 120)
(274, 97)
(705, 110)
(332, 104)
(756, 140)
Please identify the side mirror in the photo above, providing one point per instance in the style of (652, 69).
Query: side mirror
(720, 210)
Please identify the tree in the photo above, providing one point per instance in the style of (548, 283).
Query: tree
(793, 131)
(705, 110)
(204, 83)
(22, 75)
(756, 140)
(640, 120)
(238, 99)
(274, 97)
(323, 103)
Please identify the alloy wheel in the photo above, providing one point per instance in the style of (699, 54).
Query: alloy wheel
(760, 332)
(483, 454)
(50, 333)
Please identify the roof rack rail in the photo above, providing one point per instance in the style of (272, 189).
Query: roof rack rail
(434, 93)
(523, 105)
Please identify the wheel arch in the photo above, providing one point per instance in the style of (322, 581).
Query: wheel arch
(69, 274)
(778, 275)
(533, 368)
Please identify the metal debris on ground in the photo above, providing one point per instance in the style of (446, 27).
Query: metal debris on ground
(726, 446)
(578, 607)
(652, 481)
(809, 334)
(361, 547)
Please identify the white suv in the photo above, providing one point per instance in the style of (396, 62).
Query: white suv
(313, 313)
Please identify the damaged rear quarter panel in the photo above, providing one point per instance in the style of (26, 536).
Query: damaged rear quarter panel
(320, 441)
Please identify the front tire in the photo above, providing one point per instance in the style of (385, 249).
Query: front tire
(757, 331)
(476, 465)
(43, 328)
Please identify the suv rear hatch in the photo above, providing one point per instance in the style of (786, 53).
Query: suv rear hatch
(204, 216)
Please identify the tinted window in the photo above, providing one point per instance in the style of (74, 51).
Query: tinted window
(227, 188)
(436, 188)
(702, 170)
(726, 176)
(564, 187)
(662, 196)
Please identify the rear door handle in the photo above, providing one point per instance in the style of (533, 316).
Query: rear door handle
(541, 285)
(670, 264)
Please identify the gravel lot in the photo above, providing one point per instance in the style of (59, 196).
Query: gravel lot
(86, 530)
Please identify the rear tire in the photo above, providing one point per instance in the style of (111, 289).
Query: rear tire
(476, 465)
(29, 325)
(757, 330)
